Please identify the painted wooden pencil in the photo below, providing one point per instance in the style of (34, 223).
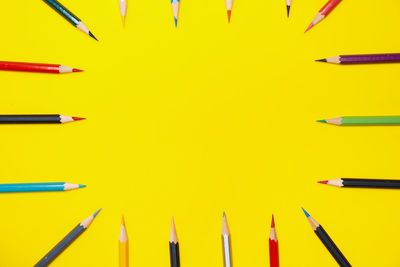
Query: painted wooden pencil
(363, 120)
(273, 246)
(123, 246)
(363, 183)
(36, 67)
(122, 9)
(36, 119)
(226, 242)
(327, 241)
(174, 247)
(175, 11)
(362, 59)
(38, 187)
(69, 16)
(325, 10)
(288, 4)
(229, 4)
(66, 241)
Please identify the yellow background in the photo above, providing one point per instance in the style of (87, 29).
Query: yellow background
(197, 120)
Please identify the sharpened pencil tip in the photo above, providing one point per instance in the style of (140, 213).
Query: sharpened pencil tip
(324, 121)
(82, 185)
(305, 212)
(76, 70)
(91, 35)
(78, 118)
(323, 182)
(321, 60)
(288, 10)
(273, 222)
(309, 27)
(224, 215)
(176, 22)
(97, 212)
(123, 220)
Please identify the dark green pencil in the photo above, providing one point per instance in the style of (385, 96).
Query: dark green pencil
(68, 15)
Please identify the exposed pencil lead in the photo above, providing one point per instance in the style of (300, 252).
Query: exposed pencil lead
(323, 182)
(91, 35)
(224, 215)
(78, 118)
(82, 185)
(321, 60)
(305, 212)
(272, 222)
(229, 15)
(309, 27)
(76, 70)
(324, 121)
(176, 22)
(288, 10)
(95, 214)
(123, 220)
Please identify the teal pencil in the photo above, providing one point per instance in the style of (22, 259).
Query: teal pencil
(68, 15)
(38, 187)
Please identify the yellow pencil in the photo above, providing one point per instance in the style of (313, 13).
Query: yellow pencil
(123, 246)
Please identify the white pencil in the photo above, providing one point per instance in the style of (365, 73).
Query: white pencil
(226, 242)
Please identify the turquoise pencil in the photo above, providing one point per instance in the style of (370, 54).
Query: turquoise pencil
(38, 187)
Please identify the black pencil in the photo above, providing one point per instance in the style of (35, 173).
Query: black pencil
(174, 246)
(327, 241)
(363, 183)
(36, 119)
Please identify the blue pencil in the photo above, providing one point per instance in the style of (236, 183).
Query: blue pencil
(38, 187)
(68, 239)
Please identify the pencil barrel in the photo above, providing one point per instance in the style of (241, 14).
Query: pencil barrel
(329, 6)
(63, 244)
(17, 119)
(174, 254)
(371, 183)
(332, 248)
(29, 67)
(373, 120)
(373, 58)
(63, 11)
(39, 187)
(273, 254)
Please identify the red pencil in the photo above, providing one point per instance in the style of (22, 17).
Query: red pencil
(36, 67)
(325, 10)
(273, 246)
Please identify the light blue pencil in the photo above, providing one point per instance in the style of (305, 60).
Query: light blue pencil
(38, 187)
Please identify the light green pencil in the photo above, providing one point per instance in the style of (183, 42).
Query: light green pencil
(363, 120)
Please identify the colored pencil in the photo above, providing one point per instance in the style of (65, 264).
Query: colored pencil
(363, 120)
(363, 183)
(66, 241)
(288, 4)
(327, 241)
(175, 10)
(38, 118)
(69, 16)
(123, 246)
(362, 59)
(229, 4)
(273, 246)
(38, 187)
(325, 10)
(174, 247)
(226, 242)
(36, 67)
(122, 9)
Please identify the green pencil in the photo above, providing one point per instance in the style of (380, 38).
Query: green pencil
(363, 120)
(68, 15)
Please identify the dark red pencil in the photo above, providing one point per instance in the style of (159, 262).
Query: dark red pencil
(273, 246)
(36, 67)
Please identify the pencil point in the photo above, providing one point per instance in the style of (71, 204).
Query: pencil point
(78, 118)
(82, 185)
(76, 70)
(322, 60)
(288, 10)
(91, 35)
(95, 214)
(305, 212)
(123, 220)
(324, 121)
(309, 27)
(176, 22)
(272, 222)
(224, 215)
(229, 16)
(323, 182)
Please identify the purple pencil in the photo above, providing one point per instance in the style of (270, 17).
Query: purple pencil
(363, 59)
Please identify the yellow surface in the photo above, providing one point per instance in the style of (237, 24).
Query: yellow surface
(197, 120)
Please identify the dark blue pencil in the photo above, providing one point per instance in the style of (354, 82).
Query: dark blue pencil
(68, 239)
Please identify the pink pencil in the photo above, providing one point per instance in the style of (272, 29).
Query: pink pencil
(325, 10)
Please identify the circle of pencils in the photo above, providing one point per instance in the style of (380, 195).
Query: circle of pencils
(123, 246)
(174, 247)
(325, 10)
(36, 67)
(363, 120)
(362, 59)
(68, 15)
(273, 246)
(35, 119)
(363, 183)
(38, 187)
(226, 242)
(327, 241)
(67, 240)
